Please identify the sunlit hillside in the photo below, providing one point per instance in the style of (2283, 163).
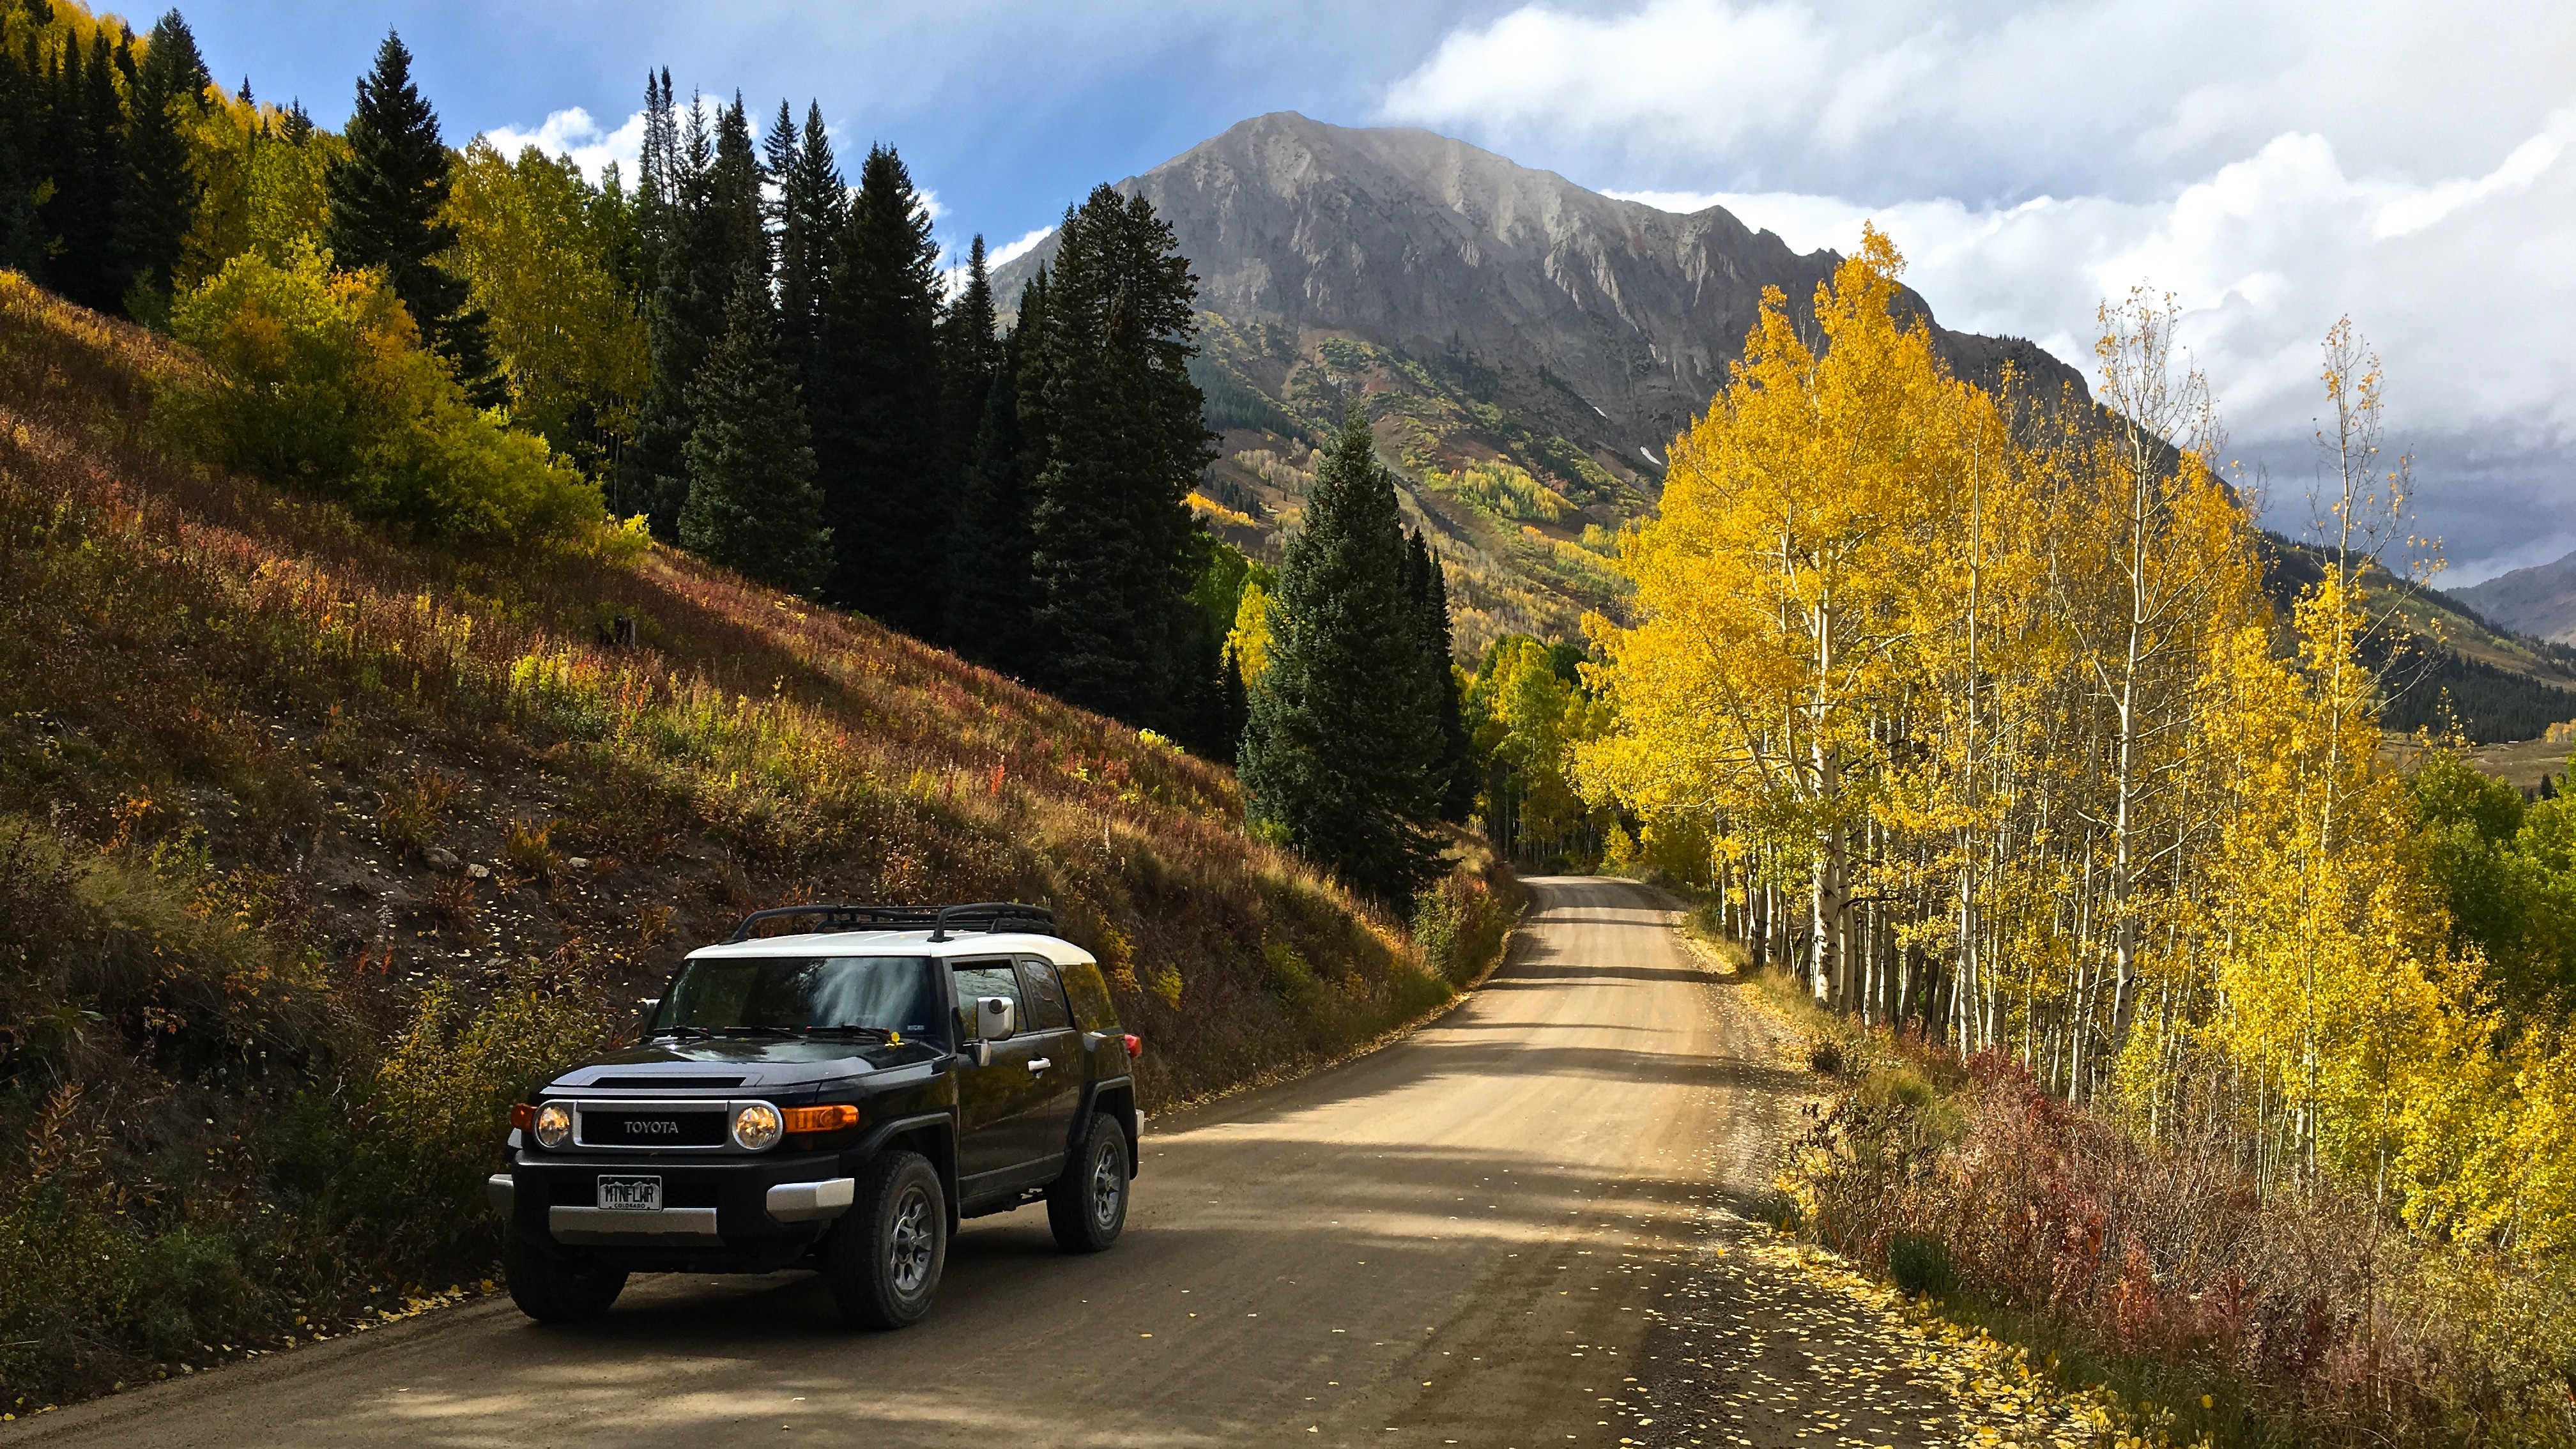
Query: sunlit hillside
(299, 826)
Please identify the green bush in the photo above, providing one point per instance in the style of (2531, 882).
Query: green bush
(1919, 1264)
(1458, 926)
(315, 378)
(430, 1128)
(452, 472)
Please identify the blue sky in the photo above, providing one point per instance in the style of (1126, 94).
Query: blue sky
(1007, 111)
(2271, 165)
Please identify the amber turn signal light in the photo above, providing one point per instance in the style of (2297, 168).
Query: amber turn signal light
(822, 1119)
(523, 1115)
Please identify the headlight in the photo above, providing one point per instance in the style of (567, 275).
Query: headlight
(554, 1125)
(756, 1127)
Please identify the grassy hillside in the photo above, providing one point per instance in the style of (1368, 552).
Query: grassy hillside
(1523, 518)
(313, 849)
(2450, 665)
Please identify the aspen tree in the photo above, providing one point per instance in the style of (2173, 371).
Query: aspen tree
(1771, 587)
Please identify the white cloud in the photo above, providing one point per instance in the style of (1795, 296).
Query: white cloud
(952, 264)
(2262, 255)
(574, 134)
(1996, 97)
(2272, 167)
(1013, 251)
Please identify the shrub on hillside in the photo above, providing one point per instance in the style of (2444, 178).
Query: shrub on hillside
(315, 378)
(2165, 1259)
(1459, 921)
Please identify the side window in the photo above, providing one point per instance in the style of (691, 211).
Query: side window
(1046, 999)
(1090, 994)
(978, 979)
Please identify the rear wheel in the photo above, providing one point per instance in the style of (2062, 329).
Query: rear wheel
(553, 1286)
(884, 1256)
(1087, 1207)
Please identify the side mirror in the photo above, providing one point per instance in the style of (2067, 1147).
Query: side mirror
(996, 1017)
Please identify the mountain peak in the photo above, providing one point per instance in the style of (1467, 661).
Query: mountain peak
(2539, 601)
(1423, 243)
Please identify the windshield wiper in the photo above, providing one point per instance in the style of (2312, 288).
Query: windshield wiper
(683, 1033)
(878, 1033)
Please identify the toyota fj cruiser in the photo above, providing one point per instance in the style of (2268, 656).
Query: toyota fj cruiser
(838, 1098)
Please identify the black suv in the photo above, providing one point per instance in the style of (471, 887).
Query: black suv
(838, 1098)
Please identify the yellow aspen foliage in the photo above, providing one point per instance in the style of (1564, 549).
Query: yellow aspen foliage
(1780, 591)
(1249, 640)
(1971, 707)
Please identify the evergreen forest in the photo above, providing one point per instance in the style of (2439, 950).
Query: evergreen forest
(750, 346)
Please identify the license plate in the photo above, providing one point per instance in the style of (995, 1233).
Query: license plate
(631, 1194)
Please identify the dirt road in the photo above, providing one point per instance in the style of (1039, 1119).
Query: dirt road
(1462, 1239)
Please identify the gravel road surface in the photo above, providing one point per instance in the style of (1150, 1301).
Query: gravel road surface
(1477, 1236)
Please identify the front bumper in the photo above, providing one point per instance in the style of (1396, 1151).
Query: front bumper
(763, 1202)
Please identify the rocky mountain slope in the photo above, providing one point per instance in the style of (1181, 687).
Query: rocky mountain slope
(2539, 601)
(1527, 348)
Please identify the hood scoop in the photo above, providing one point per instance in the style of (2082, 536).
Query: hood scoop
(652, 1084)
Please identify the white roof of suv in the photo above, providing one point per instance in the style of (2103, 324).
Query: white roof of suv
(960, 943)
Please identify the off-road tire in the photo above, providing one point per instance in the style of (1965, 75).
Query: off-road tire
(1087, 1207)
(553, 1286)
(883, 1258)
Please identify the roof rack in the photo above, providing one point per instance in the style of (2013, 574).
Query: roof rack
(991, 915)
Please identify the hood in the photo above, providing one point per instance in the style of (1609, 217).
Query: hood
(744, 1065)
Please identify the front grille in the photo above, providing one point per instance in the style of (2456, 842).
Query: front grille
(651, 1127)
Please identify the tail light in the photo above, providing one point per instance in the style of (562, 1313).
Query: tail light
(523, 1116)
(1135, 1046)
(833, 1118)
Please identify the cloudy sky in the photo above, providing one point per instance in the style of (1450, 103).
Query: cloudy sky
(2272, 166)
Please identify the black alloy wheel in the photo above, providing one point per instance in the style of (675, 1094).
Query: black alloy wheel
(883, 1259)
(1087, 1207)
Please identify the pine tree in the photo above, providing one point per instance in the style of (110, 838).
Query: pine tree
(21, 146)
(1237, 711)
(1427, 584)
(160, 194)
(878, 401)
(812, 208)
(662, 422)
(1125, 441)
(990, 595)
(705, 237)
(969, 358)
(85, 142)
(1342, 743)
(752, 504)
(385, 198)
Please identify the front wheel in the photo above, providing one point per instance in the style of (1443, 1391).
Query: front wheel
(1087, 1207)
(885, 1254)
(552, 1286)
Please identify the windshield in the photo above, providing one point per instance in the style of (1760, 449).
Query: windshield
(806, 993)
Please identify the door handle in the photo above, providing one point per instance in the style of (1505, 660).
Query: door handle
(1039, 1064)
